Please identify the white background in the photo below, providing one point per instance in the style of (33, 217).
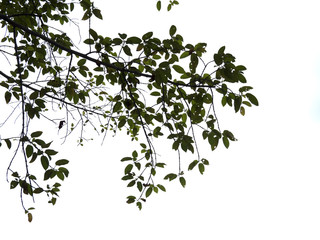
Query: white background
(265, 186)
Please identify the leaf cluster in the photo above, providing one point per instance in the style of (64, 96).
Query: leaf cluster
(151, 88)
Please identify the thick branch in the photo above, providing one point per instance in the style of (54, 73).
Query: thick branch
(71, 51)
(98, 62)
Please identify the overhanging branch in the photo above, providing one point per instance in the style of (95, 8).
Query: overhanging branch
(98, 62)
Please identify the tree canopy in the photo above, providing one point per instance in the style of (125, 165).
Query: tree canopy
(148, 87)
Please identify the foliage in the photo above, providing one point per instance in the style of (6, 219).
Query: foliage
(149, 87)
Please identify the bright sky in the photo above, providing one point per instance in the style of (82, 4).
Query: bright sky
(265, 186)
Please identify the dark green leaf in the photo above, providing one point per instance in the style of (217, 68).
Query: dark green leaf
(237, 103)
(93, 34)
(81, 62)
(89, 41)
(131, 199)
(172, 30)
(34, 95)
(7, 96)
(178, 69)
(99, 80)
(161, 187)
(126, 159)
(245, 89)
(132, 183)
(170, 176)
(201, 168)
(149, 191)
(225, 141)
(182, 181)
(193, 164)
(49, 174)
(62, 162)
(36, 134)
(122, 35)
(13, 184)
(44, 162)
(29, 150)
(139, 186)
(117, 107)
(128, 169)
(51, 152)
(97, 13)
(147, 36)
(252, 99)
(139, 205)
(8, 142)
(159, 5)
(127, 50)
(38, 190)
(133, 40)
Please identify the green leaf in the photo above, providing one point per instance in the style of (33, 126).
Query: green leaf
(34, 95)
(64, 170)
(29, 217)
(225, 141)
(97, 13)
(149, 191)
(44, 162)
(131, 199)
(49, 174)
(36, 134)
(13, 184)
(99, 79)
(29, 150)
(242, 111)
(185, 54)
(182, 181)
(172, 30)
(161, 165)
(81, 62)
(62, 162)
(34, 157)
(8, 142)
(133, 40)
(252, 99)
(147, 35)
(128, 169)
(51, 152)
(178, 69)
(135, 154)
(117, 107)
(193, 164)
(237, 103)
(7, 96)
(229, 135)
(122, 35)
(132, 183)
(93, 34)
(205, 161)
(38, 190)
(126, 159)
(159, 5)
(89, 41)
(127, 50)
(139, 205)
(245, 89)
(201, 168)
(161, 187)
(139, 186)
(170, 176)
